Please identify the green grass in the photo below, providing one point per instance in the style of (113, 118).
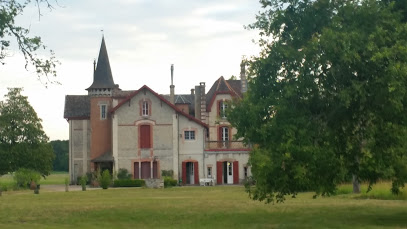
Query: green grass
(381, 190)
(54, 178)
(193, 207)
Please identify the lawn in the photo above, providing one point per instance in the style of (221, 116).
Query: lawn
(54, 178)
(193, 207)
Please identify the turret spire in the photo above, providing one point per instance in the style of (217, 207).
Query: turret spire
(102, 77)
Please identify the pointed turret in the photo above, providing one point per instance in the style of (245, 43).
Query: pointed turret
(102, 75)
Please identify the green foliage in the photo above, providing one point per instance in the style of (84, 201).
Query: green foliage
(167, 173)
(23, 143)
(83, 181)
(61, 151)
(23, 177)
(123, 174)
(327, 96)
(29, 46)
(105, 179)
(169, 182)
(129, 183)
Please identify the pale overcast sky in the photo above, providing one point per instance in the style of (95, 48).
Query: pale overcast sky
(204, 39)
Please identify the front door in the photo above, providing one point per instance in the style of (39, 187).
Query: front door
(227, 172)
(190, 172)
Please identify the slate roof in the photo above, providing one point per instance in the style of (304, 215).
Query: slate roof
(106, 157)
(102, 76)
(222, 86)
(77, 107)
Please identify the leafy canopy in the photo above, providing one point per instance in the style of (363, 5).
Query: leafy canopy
(29, 46)
(23, 143)
(327, 96)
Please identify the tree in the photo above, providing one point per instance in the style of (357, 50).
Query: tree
(29, 46)
(23, 143)
(327, 98)
(61, 150)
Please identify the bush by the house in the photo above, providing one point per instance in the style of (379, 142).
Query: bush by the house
(105, 179)
(129, 183)
(23, 177)
(169, 182)
(123, 174)
(167, 173)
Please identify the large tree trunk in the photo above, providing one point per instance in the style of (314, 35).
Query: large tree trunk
(356, 184)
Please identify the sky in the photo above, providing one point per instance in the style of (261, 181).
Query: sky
(204, 39)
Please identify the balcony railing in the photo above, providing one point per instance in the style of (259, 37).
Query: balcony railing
(225, 145)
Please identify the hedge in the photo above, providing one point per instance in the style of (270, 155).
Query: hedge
(129, 183)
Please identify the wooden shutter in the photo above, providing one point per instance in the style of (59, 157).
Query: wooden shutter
(235, 172)
(219, 172)
(145, 141)
(136, 170)
(196, 173)
(184, 172)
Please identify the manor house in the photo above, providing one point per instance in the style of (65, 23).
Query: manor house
(149, 133)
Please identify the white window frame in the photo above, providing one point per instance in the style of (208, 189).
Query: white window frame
(209, 171)
(225, 133)
(223, 107)
(189, 135)
(103, 111)
(145, 109)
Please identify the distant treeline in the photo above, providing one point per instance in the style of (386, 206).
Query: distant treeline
(61, 150)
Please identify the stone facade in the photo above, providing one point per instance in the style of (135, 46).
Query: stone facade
(145, 133)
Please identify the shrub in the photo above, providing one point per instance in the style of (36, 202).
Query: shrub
(83, 181)
(23, 177)
(105, 179)
(129, 183)
(123, 174)
(167, 173)
(169, 182)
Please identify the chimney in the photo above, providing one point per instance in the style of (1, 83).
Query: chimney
(197, 99)
(172, 95)
(243, 80)
(192, 92)
(203, 101)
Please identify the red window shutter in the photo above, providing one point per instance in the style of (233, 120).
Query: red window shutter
(136, 170)
(145, 141)
(219, 172)
(196, 173)
(184, 172)
(235, 172)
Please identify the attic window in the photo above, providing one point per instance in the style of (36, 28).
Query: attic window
(145, 111)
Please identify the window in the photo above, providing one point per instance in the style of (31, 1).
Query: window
(209, 172)
(224, 136)
(145, 109)
(103, 109)
(189, 135)
(224, 133)
(145, 136)
(222, 109)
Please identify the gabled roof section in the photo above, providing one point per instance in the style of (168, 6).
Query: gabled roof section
(182, 99)
(77, 107)
(162, 99)
(102, 76)
(222, 86)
